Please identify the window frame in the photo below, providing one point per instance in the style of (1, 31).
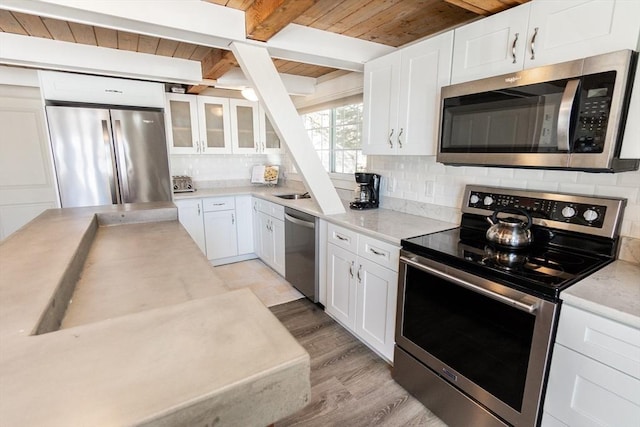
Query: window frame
(332, 107)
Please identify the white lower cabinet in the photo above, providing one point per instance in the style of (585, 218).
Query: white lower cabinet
(361, 293)
(269, 234)
(190, 215)
(221, 234)
(595, 373)
(222, 227)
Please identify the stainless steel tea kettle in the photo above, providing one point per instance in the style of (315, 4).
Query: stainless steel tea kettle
(510, 231)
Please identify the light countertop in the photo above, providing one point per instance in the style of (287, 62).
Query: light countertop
(151, 337)
(612, 292)
(384, 224)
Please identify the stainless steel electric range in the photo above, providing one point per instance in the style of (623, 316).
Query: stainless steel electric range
(476, 320)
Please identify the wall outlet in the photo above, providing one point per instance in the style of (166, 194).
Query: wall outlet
(429, 188)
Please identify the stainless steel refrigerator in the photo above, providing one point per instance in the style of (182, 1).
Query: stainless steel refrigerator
(105, 156)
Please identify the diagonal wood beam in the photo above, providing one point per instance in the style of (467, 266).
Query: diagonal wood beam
(265, 18)
(214, 65)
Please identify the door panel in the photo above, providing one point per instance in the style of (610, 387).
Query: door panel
(141, 149)
(83, 155)
(341, 296)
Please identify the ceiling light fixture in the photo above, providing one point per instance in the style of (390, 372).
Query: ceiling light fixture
(249, 94)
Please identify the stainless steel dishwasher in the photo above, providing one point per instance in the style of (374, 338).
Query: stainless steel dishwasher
(301, 252)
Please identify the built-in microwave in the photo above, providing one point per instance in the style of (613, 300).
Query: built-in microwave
(564, 116)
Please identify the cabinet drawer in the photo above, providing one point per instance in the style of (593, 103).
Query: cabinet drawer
(342, 237)
(381, 253)
(219, 204)
(605, 340)
(277, 211)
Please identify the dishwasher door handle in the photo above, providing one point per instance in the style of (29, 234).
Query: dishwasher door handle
(300, 222)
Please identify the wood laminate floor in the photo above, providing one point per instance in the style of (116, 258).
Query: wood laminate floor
(350, 385)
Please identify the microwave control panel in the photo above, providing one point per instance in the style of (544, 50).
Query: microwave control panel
(591, 215)
(593, 114)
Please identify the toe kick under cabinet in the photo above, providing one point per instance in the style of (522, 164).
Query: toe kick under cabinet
(222, 227)
(361, 286)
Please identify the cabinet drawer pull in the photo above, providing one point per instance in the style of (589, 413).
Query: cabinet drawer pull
(359, 276)
(399, 140)
(390, 141)
(218, 204)
(373, 251)
(533, 43)
(198, 209)
(233, 219)
(351, 268)
(513, 47)
(344, 239)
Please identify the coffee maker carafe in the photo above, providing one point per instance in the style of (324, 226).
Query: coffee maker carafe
(367, 193)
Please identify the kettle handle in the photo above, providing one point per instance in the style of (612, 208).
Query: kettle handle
(494, 217)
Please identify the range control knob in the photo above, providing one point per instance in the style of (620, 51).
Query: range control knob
(175, 186)
(474, 199)
(590, 215)
(568, 212)
(488, 200)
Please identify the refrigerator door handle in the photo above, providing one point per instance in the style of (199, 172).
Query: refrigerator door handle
(113, 186)
(123, 173)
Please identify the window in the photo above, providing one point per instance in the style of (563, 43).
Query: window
(336, 134)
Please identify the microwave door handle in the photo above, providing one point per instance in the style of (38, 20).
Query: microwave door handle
(564, 114)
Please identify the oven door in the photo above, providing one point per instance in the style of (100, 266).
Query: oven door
(487, 340)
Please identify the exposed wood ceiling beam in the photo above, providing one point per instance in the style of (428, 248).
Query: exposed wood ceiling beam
(486, 7)
(265, 18)
(215, 64)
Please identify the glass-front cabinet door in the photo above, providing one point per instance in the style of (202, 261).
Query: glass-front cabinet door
(182, 123)
(214, 125)
(245, 125)
(271, 139)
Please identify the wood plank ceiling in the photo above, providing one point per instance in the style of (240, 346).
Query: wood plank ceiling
(390, 22)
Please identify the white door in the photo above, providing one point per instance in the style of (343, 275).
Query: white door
(278, 245)
(214, 125)
(244, 217)
(257, 228)
(28, 185)
(426, 68)
(182, 124)
(190, 215)
(272, 144)
(341, 288)
(376, 293)
(266, 238)
(381, 77)
(564, 30)
(245, 125)
(220, 234)
(491, 46)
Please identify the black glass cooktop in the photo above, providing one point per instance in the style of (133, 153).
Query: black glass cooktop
(544, 268)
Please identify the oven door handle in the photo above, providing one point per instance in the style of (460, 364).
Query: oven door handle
(529, 308)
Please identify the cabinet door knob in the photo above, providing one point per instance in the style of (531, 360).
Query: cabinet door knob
(513, 47)
(533, 43)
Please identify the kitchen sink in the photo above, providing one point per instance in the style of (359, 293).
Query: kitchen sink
(294, 196)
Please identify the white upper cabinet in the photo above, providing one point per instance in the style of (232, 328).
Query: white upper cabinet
(575, 29)
(214, 125)
(198, 124)
(491, 46)
(251, 130)
(401, 98)
(542, 33)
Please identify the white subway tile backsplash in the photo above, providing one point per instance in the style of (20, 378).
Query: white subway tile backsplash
(568, 187)
(443, 186)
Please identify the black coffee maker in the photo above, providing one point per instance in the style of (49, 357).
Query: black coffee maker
(367, 194)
